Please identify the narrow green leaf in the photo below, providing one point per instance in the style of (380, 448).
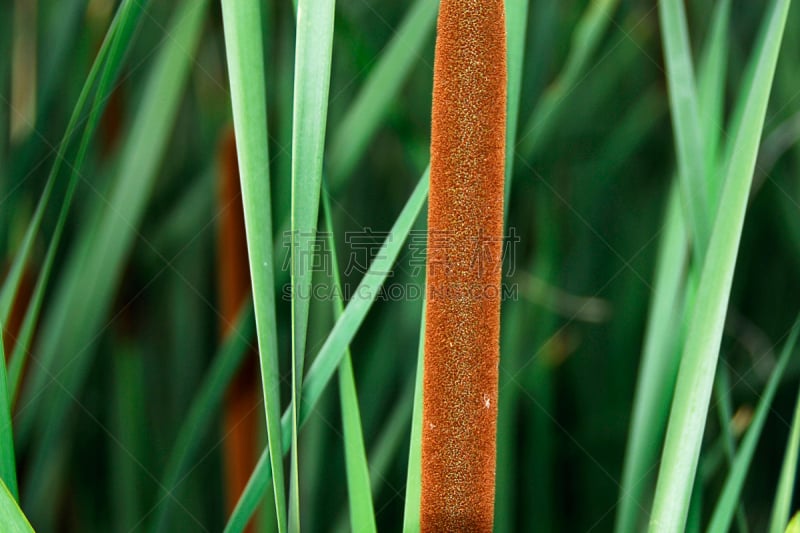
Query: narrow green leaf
(660, 355)
(11, 515)
(389, 442)
(96, 265)
(684, 108)
(119, 38)
(729, 499)
(332, 351)
(414, 473)
(387, 447)
(312, 82)
(783, 496)
(107, 65)
(8, 464)
(696, 373)
(243, 45)
(516, 26)
(383, 84)
(359, 495)
(711, 95)
(722, 393)
(656, 377)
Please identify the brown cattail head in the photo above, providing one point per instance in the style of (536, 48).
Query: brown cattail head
(241, 416)
(465, 230)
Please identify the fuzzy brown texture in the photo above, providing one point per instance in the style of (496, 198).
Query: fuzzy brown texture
(241, 419)
(465, 229)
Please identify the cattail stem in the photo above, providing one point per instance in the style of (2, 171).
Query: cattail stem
(465, 230)
(240, 448)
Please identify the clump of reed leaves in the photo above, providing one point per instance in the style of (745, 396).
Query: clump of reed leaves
(647, 375)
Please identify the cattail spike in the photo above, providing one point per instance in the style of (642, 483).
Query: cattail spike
(465, 229)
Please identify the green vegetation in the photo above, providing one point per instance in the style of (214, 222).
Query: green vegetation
(649, 374)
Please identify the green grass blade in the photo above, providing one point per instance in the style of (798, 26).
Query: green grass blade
(729, 499)
(381, 89)
(243, 44)
(311, 85)
(106, 65)
(656, 377)
(711, 95)
(97, 265)
(587, 36)
(204, 406)
(684, 108)
(11, 515)
(388, 444)
(696, 374)
(660, 356)
(414, 473)
(516, 26)
(332, 351)
(722, 394)
(783, 498)
(8, 464)
(114, 48)
(359, 495)
(119, 36)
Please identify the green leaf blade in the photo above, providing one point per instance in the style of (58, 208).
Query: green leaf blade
(414, 472)
(11, 516)
(243, 44)
(684, 107)
(696, 373)
(362, 511)
(8, 464)
(728, 502)
(96, 264)
(332, 351)
(312, 82)
(783, 499)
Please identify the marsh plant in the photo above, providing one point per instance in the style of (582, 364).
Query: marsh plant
(454, 265)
